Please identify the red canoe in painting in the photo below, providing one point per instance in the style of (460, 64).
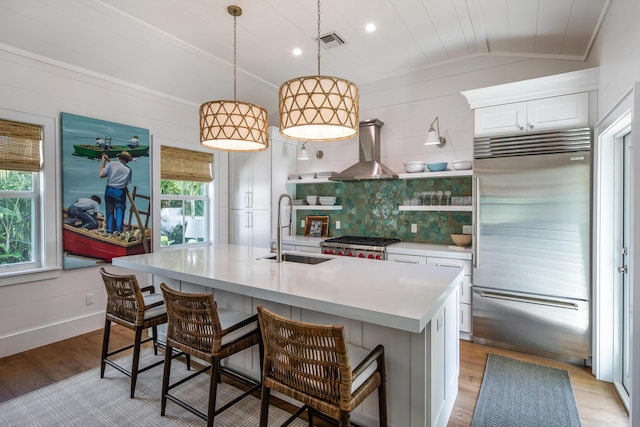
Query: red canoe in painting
(90, 243)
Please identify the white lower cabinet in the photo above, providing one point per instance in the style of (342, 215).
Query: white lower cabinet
(464, 317)
(309, 249)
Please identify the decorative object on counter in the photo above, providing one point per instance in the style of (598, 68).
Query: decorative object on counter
(304, 155)
(413, 167)
(462, 165)
(433, 137)
(319, 108)
(312, 200)
(307, 175)
(461, 239)
(437, 167)
(234, 125)
(316, 226)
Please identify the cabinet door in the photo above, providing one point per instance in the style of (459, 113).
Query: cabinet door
(240, 178)
(450, 262)
(261, 180)
(465, 318)
(501, 119)
(558, 112)
(250, 227)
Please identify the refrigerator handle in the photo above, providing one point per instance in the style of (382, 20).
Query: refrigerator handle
(476, 226)
(529, 300)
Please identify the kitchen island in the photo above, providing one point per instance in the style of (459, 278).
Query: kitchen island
(411, 309)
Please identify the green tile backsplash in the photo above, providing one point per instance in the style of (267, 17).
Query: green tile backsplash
(370, 208)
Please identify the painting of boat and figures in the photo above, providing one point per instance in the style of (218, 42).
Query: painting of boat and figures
(106, 191)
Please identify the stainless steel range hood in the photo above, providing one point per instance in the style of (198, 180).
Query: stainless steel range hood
(369, 166)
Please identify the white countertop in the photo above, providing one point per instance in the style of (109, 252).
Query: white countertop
(396, 295)
(403, 248)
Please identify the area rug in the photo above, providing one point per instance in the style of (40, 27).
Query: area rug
(516, 393)
(88, 400)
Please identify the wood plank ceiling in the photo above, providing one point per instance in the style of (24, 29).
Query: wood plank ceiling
(184, 48)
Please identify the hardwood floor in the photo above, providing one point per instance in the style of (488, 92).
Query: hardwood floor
(21, 373)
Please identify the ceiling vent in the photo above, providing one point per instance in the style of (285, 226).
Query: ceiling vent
(331, 40)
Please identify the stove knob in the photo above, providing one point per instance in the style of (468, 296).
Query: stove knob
(378, 257)
(370, 256)
(350, 254)
(361, 256)
(331, 252)
(339, 252)
(325, 251)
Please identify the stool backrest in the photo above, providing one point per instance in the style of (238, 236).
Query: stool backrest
(192, 321)
(307, 357)
(124, 298)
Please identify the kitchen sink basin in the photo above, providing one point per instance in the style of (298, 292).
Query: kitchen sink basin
(302, 259)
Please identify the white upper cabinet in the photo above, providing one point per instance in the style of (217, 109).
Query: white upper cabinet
(250, 180)
(558, 112)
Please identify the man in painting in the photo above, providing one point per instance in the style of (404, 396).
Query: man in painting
(133, 143)
(118, 176)
(86, 210)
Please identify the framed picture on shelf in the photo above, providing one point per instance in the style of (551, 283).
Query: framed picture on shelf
(316, 226)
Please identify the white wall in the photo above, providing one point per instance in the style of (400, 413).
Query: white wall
(617, 51)
(38, 313)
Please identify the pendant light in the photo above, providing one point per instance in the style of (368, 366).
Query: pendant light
(319, 108)
(234, 125)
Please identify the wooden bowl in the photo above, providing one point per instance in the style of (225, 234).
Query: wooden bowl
(461, 239)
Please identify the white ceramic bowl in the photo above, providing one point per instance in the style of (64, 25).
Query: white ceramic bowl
(327, 200)
(461, 239)
(307, 175)
(312, 200)
(413, 167)
(462, 165)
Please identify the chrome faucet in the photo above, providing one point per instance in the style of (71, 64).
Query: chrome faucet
(280, 226)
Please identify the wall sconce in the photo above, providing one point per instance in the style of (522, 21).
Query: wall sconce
(433, 137)
(304, 154)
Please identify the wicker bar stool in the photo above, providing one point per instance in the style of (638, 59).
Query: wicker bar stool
(128, 307)
(197, 327)
(311, 363)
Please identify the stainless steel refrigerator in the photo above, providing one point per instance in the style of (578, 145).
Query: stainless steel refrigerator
(532, 243)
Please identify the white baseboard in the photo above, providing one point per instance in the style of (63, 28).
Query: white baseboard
(50, 333)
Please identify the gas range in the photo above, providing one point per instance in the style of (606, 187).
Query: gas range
(358, 247)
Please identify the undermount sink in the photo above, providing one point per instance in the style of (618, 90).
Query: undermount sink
(302, 259)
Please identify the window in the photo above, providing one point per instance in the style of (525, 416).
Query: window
(28, 196)
(184, 205)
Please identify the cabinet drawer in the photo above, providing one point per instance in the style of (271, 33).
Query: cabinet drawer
(465, 290)
(409, 259)
(465, 318)
(449, 262)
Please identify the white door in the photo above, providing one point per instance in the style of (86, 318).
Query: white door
(622, 168)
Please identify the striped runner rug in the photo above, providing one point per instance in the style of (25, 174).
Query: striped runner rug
(517, 393)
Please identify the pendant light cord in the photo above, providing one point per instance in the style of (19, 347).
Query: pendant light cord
(235, 55)
(318, 37)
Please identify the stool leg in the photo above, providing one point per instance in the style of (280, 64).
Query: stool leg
(105, 346)
(264, 406)
(344, 419)
(154, 335)
(213, 389)
(136, 360)
(165, 378)
(382, 392)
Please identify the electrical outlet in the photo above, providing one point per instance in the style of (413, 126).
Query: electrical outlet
(302, 223)
(414, 228)
(337, 225)
(89, 298)
(466, 229)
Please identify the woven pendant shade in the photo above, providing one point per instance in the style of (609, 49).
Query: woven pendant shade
(233, 126)
(319, 108)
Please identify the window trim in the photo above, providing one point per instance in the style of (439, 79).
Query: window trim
(49, 230)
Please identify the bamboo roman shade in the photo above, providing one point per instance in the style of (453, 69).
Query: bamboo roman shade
(178, 164)
(20, 146)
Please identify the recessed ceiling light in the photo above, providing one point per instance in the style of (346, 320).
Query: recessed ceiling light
(370, 27)
(297, 51)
